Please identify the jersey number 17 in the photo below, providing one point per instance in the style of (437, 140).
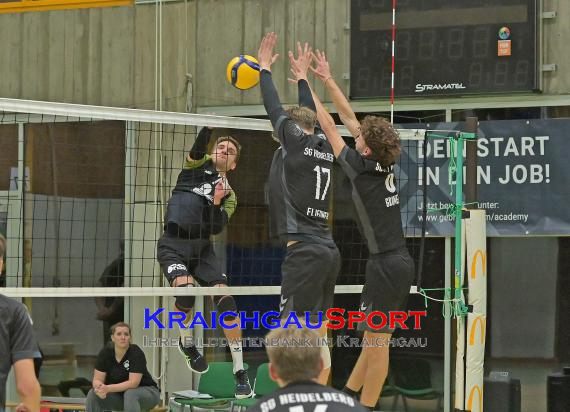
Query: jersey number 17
(327, 173)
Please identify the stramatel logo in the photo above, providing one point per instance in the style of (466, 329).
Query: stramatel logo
(421, 88)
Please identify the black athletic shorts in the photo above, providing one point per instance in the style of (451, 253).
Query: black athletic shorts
(389, 277)
(194, 257)
(309, 276)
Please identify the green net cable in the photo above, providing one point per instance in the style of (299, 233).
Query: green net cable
(454, 305)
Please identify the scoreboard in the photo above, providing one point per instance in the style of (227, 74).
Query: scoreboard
(444, 47)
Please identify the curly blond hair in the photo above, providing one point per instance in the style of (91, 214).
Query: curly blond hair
(382, 139)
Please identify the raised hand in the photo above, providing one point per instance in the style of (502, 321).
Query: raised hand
(265, 54)
(322, 69)
(221, 190)
(301, 64)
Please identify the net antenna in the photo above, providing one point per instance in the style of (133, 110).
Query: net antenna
(393, 61)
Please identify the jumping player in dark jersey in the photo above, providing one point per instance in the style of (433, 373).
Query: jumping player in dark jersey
(300, 182)
(390, 269)
(295, 369)
(201, 205)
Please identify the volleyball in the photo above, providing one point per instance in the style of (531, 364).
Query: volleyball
(243, 72)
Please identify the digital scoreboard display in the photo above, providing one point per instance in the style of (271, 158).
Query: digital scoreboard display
(443, 47)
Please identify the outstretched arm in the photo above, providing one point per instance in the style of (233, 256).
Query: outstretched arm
(347, 116)
(200, 146)
(299, 68)
(270, 97)
(327, 123)
(331, 132)
(269, 94)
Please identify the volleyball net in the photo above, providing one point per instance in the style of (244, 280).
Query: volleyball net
(83, 192)
(85, 187)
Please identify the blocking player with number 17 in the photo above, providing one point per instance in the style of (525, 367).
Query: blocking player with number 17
(299, 194)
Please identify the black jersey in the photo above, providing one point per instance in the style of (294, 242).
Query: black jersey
(376, 200)
(17, 340)
(307, 396)
(300, 178)
(133, 361)
(191, 209)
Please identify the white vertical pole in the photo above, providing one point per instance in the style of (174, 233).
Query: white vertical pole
(393, 61)
(447, 332)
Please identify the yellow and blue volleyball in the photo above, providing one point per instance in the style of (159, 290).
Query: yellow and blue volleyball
(243, 71)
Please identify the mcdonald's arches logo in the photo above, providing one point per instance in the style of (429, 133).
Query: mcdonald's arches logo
(474, 389)
(483, 255)
(477, 321)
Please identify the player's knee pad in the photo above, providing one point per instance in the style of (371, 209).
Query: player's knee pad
(226, 303)
(185, 303)
(326, 355)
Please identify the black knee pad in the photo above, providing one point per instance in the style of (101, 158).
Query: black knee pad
(185, 303)
(226, 303)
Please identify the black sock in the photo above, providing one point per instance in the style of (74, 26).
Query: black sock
(350, 392)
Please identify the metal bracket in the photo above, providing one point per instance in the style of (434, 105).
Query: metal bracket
(548, 14)
(549, 67)
(346, 26)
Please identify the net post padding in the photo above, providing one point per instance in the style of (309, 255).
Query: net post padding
(476, 241)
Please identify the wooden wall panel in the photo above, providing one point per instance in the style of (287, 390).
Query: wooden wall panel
(35, 52)
(144, 53)
(10, 55)
(337, 39)
(179, 51)
(93, 49)
(252, 33)
(117, 44)
(8, 154)
(219, 39)
(106, 56)
(56, 29)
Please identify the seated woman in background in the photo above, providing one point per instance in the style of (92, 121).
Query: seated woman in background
(121, 381)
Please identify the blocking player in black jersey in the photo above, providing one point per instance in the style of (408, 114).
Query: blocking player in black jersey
(390, 269)
(201, 205)
(295, 369)
(299, 192)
